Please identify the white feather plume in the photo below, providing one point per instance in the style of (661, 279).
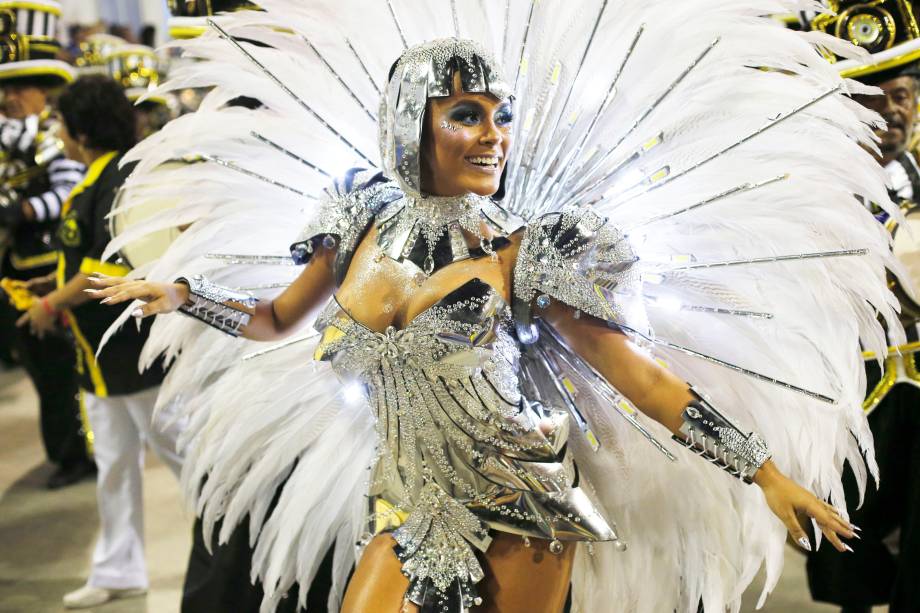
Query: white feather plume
(760, 93)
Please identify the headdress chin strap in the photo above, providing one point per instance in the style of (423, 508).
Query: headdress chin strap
(426, 71)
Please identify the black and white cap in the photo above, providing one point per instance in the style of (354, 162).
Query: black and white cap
(28, 40)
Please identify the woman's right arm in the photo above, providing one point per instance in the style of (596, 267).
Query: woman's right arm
(269, 319)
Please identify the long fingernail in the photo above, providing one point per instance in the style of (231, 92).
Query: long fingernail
(137, 313)
(855, 527)
(105, 300)
(804, 544)
(92, 290)
(848, 548)
(857, 537)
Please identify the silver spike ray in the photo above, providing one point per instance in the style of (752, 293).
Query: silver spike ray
(199, 157)
(696, 308)
(747, 187)
(514, 166)
(505, 30)
(639, 151)
(645, 113)
(253, 288)
(338, 78)
(721, 311)
(399, 29)
(556, 378)
(289, 153)
(608, 98)
(550, 137)
(282, 345)
(524, 41)
(739, 369)
(776, 258)
(645, 181)
(226, 36)
(526, 168)
(542, 163)
(601, 386)
(455, 17)
(770, 124)
(367, 72)
(240, 258)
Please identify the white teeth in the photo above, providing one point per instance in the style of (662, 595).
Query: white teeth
(484, 161)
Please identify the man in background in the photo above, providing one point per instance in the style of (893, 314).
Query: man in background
(35, 179)
(884, 566)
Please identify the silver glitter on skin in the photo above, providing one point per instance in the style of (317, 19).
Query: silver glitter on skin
(446, 125)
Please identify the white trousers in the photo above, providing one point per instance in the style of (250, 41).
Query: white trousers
(121, 426)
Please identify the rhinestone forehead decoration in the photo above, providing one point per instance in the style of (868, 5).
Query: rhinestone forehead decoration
(479, 70)
(422, 72)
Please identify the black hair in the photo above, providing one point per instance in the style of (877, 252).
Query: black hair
(148, 35)
(96, 107)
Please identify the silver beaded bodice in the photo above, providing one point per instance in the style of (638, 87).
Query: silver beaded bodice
(461, 449)
(457, 439)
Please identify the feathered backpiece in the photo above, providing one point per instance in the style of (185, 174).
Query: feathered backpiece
(723, 146)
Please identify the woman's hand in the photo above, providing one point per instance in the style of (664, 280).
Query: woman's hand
(787, 498)
(159, 297)
(40, 318)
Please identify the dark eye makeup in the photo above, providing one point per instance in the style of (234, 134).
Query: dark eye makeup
(471, 113)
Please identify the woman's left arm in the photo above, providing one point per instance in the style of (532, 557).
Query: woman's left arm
(661, 395)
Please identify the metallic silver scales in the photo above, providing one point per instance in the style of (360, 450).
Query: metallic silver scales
(460, 449)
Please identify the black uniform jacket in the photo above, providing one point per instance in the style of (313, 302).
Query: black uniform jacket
(82, 235)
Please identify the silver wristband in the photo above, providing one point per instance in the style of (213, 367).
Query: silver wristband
(216, 305)
(715, 437)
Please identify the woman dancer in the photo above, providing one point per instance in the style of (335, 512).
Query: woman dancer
(491, 350)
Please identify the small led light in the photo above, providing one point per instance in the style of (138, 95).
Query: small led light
(658, 175)
(652, 142)
(669, 303)
(626, 407)
(353, 393)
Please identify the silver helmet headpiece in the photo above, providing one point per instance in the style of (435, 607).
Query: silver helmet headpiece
(426, 71)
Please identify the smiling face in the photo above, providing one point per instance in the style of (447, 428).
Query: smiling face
(465, 144)
(898, 107)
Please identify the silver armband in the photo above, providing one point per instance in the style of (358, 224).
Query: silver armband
(216, 305)
(714, 436)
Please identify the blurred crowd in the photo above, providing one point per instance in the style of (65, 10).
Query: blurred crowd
(79, 34)
(69, 111)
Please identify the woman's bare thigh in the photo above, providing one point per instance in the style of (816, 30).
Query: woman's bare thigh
(518, 579)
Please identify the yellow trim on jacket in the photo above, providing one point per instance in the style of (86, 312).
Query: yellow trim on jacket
(33, 261)
(87, 355)
(92, 175)
(85, 352)
(90, 265)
